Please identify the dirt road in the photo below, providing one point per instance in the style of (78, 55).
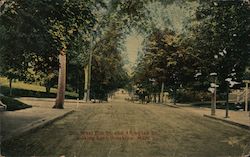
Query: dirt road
(120, 128)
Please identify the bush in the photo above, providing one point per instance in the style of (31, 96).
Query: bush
(185, 96)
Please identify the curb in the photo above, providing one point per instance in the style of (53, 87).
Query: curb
(229, 122)
(50, 99)
(32, 127)
(174, 106)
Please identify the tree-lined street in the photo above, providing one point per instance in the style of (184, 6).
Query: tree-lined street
(126, 67)
(172, 132)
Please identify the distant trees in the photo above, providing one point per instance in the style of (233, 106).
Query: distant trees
(108, 73)
(165, 61)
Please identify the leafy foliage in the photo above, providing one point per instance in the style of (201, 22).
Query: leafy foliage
(108, 72)
(165, 60)
(216, 43)
(222, 39)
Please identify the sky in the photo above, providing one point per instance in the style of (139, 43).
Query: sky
(133, 45)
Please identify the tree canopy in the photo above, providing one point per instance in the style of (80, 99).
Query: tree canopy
(180, 54)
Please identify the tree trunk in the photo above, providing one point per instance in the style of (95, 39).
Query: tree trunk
(48, 90)
(10, 86)
(214, 95)
(175, 95)
(162, 92)
(76, 89)
(154, 97)
(86, 79)
(159, 98)
(246, 98)
(212, 105)
(227, 102)
(80, 89)
(61, 80)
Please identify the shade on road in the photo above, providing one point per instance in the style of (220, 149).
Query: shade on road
(120, 128)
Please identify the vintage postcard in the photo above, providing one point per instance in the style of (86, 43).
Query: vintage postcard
(124, 78)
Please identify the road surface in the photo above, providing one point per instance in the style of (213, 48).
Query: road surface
(124, 129)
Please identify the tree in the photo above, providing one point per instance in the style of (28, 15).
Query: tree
(223, 34)
(25, 43)
(165, 60)
(108, 73)
(48, 29)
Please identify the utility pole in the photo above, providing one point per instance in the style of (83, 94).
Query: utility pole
(213, 102)
(215, 93)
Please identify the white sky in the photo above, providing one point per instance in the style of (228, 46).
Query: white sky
(133, 45)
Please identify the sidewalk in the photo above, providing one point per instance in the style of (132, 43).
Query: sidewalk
(239, 118)
(16, 123)
(50, 99)
(50, 102)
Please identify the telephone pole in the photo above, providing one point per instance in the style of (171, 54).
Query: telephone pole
(214, 86)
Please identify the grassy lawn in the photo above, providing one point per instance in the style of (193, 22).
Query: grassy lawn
(13, 104)
(21, 89)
